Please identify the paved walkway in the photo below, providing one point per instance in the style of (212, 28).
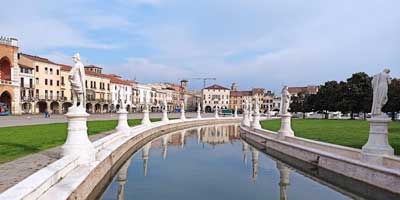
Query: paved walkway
(21, 120)
(17, 170)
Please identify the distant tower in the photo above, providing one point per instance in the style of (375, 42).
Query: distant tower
(234, 87)
(184, 84)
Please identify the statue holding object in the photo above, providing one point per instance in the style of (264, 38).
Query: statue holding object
(77, 79)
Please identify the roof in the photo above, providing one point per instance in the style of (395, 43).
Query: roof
(240, 93)
(306, 90)
(88, 72)
(93, 66)
(37, 58)
(216, 87)
(114, 79)
(25, 66)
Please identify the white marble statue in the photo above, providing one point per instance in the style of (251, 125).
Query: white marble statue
(121, 100)
(257, 106)
(77, 80)
(285, 101)
(165, 105)
(380, 85)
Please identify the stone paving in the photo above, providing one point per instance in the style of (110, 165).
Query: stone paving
(6, 121)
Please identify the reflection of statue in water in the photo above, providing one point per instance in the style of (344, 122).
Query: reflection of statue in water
(285, 100)
(380, 84)
(77, 80)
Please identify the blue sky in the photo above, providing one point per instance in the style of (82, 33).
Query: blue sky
(256, 43)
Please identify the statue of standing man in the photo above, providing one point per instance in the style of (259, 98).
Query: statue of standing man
(380, 85)
(285, 100)
(77, 80)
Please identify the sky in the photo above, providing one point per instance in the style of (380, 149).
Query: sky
(255, 43)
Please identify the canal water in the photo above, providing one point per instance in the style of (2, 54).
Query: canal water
(210, 163)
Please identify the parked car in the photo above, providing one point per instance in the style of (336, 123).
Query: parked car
(225, 112)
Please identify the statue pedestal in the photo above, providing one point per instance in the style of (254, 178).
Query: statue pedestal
(255, 124)
(198, 114)
(123, 121)
(165, 116)
(78, 143)
(286, 128)
(378, 144)
(216, 116)
(146, 118)
(245, 121)
(183, 117)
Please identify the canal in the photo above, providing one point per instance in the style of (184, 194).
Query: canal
(213, 162)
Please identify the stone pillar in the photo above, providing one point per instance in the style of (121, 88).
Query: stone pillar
(164, 146)
(286, 128)
(255, 124)
(78, 143)
(146, 116)
(235, 114)
(284, 173)
(254, 161)
(183, 117)
(378, 144)
(216, 116)
(165, 116)
(122, 178)
(123, 121)
(145, 157)
(245, 120)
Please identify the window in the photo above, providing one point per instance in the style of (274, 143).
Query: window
(22, 70)
(37, 80)
(62, 80)
(46, 70)
(31, 83)
(22, 82)
(37, 68)
(58, 72)
(62, 94)
(58, 94)
(86, 84)
(51, 82)
(45, 81)
(58, 83)
(51, 70)
(108, 87)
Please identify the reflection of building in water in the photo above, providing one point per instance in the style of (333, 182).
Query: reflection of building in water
(122, 177)
(145, 157)
(245, 147)
(254, 161)
(219, 134)
(284, 173)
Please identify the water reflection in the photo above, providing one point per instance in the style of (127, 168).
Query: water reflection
(212, 159)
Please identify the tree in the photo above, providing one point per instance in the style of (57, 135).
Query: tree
(359, 94)
(393, 104)
(327, 98)
(297, 104)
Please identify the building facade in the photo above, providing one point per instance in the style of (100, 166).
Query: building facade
(9, 76)
(215, 96)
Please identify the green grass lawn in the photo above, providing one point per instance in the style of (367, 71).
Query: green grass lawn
(351, 133)
(19, 141)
